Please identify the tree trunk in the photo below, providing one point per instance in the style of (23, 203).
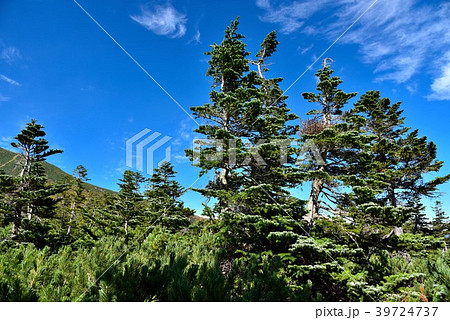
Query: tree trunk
(317, 183)
(391, 196)
(313, 200)
(72, 215)
(27, 165)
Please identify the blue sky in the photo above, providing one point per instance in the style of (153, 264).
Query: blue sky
(58, 66)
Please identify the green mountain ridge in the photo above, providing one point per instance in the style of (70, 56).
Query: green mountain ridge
(10, 164)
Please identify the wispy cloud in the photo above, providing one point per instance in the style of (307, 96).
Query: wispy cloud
(180, 158)
(10, 54)
(441, 86)
(263, 4)
(290, 17)
(5, 142)
(162, 20)
(399, 37)
(3, 98)
(304, 50)
(196, 38)
(185, 133)
(9, 80)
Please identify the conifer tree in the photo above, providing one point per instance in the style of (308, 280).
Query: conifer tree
(124, 210)
(227, 67)
(74, 200)
(34, 148)
(440, 225)
(420, 222)
(7, 186)
(330, 142)
(247, 118)
(268, 215)
(30, 201)
(392, 184)
(163, 202)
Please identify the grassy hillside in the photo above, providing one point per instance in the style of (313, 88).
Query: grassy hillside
(10, 163)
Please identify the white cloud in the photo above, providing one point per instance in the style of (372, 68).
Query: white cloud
(292, 16)
(441, 86)
(10, 54)
(162, 20)
(412, 88)
(9, 80)
(304, 50)
(180, 158)
(263, 4)
(400, 37)
(196, 38)
(5, 142)
(185, 136)
(3, 98)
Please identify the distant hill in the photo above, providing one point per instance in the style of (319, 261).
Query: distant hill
(10, 163)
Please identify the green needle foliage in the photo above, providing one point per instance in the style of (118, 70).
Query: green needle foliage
(163, 200)
(331, 143)
(29, 200)
(252, 156)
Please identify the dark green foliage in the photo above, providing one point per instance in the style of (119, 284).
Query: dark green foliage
(74, 205)
(259, 277)
(145, 273)
(252, 156)
(440, 226)
(333, 145)
(28, 201)
(163, 199)
(124, 211)
(387, 190)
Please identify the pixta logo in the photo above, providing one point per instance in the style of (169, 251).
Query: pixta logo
(144, 147)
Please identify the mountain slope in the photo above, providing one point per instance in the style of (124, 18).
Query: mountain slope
(10, 164)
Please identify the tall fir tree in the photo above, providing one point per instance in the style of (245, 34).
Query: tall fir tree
(440, 225)
(328, 142)
(230, 92)
(394, 181)
(123, 211)
(30, 201)
(252, 156)
(421, 222)
(163, 204)
(268, 216)
(74, 203)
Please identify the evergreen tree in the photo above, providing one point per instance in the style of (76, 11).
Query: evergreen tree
(7, 186)
(74, 204)
(440, 225)
(252, 157)
(267, 215)
(124, 211)
(227, 67)
(390, 186)
(30, 201)
(331, 143)
(420, 222)
(163, 202)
